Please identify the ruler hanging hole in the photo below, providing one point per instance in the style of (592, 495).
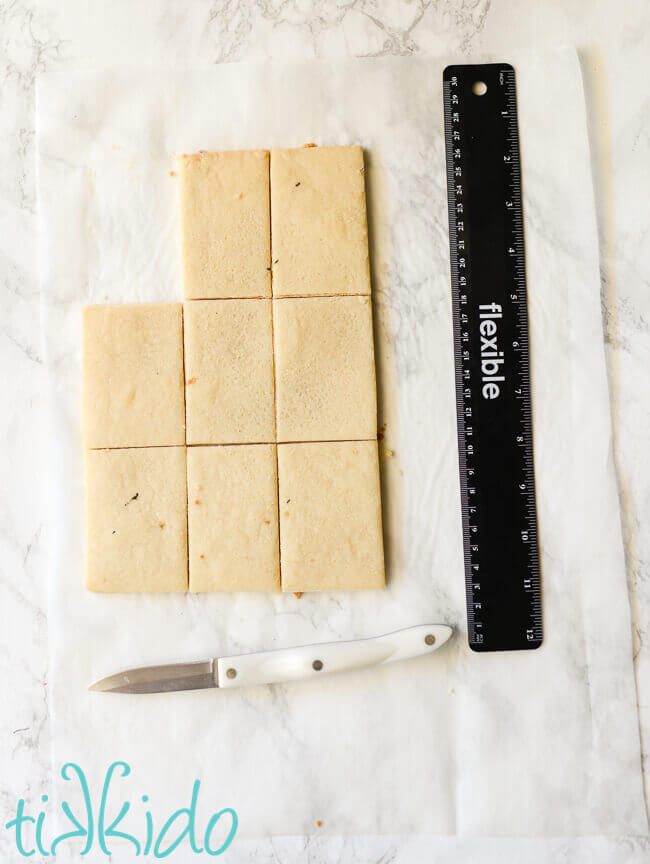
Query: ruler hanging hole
(479, 88)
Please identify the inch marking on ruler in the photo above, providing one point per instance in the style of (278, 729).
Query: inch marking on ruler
(491, 349)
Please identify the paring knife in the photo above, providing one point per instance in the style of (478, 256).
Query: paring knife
(284, 664)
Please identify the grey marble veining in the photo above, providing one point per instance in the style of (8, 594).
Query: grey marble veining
(36, 36)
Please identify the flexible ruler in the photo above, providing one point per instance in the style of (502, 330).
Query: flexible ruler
(490, 322)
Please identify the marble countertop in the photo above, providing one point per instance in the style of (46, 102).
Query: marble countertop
(613, 40)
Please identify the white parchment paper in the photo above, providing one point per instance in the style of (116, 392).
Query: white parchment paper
(541, 742)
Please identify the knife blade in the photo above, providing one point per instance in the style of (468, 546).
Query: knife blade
(276, 666)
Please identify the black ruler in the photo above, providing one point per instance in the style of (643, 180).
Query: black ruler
(490, 319)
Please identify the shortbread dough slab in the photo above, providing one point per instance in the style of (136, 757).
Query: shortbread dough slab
(133, 375)
(319, 223)
(330, 516)
(233, 518)
(225, 224)
(229, 388)
(136, 520)
(325, 369)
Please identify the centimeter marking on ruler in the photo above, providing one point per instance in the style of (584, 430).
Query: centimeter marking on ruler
(488, 286)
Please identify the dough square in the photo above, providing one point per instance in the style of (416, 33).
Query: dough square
(330, 516)
(229, 387)
(319, 224)
(136, 519)
(225, 224)
(325, 369)
(233, 518)
(133, 375)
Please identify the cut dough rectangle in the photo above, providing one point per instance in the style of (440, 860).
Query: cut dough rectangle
(133, 375)
(229, 388)
(330, 516)
(319, 223)
(233, 518)
(325, 369)
(225, 224)
(136, 519)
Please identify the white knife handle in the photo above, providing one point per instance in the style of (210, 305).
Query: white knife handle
(312, 661)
